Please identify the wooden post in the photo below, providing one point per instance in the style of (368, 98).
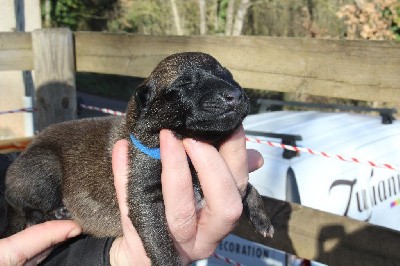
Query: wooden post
(54, 66)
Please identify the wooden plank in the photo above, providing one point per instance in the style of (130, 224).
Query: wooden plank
(325, 237)
(15, 51)
(54, 66)
(12, 92)
(362, 70)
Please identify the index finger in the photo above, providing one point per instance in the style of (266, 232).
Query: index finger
(177, 188)
(223, 201)
(234, 152)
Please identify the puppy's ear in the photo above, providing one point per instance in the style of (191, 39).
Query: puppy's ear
(143, 96)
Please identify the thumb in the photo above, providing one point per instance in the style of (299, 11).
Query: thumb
(120, 171)
(131, 240)
(21, 247)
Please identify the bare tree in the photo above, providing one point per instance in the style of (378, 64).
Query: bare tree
(240, 17)
(229, 17)
(203, 22)
(47, 14)
(177, 18)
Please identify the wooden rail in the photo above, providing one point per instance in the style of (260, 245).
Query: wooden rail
(16, 51)
(325, 237)
(360, 70)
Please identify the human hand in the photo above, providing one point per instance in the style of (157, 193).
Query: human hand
(223, 176)
(32, 245)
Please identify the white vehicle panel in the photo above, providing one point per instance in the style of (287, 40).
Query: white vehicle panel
(351, 189)
(345, 188)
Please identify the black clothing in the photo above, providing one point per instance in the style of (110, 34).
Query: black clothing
(81, 250)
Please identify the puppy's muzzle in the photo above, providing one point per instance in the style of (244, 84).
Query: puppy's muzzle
(226, 100)
(232, 97)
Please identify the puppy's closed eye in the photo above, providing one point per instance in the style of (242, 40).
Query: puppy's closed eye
(142, 96)
(183, 81)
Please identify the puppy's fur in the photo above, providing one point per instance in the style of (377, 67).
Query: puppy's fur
(66, 171)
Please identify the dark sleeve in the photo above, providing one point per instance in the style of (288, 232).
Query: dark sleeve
(81, 250)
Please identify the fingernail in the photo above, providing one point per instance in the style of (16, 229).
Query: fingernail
(75, 232)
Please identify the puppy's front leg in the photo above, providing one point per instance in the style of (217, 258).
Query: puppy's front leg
(147, 212)
(253, 207)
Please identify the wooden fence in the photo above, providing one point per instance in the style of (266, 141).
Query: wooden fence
(361, 70)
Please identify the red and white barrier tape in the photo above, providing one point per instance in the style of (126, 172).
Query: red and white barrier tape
(227, 260)
(323, 154)
(251, 139)
(18, 111)
(103, 110)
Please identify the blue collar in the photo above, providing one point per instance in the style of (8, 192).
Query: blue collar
(152, 152)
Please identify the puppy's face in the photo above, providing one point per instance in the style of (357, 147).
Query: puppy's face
(199, 99)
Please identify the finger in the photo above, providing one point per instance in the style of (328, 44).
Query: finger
(234, 152)
(51, 233)
(223, 201)
(120, 171)
(131, 239)
(254, 160)
(177, 187)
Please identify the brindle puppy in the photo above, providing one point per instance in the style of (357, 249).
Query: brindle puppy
(66, 171)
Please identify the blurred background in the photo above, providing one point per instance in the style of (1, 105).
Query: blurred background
(338, 19)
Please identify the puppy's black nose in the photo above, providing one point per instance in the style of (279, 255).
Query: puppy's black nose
(232, 96)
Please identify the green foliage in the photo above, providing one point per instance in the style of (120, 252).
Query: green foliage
(299, 18)
(221, 16)
(155, 17)
(223, 6)
(68, 13)
(393, 15)
(148, 17)
(80, 14)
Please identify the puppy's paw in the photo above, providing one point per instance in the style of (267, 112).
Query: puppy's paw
(253, 207)
(262, 223)
(60, 213)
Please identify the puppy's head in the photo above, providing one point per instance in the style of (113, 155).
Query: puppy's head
(194, 96)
